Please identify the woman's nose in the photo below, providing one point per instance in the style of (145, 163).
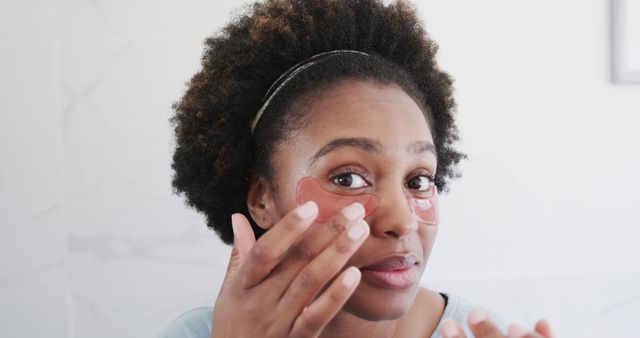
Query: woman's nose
(393, 216)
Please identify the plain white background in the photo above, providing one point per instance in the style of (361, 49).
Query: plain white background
(543, 223)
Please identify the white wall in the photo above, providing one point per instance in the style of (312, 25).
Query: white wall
(94, 244)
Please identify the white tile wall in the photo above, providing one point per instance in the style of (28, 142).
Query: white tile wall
(94, 244)
(35, 313)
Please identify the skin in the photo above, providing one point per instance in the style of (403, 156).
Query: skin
(292, 282)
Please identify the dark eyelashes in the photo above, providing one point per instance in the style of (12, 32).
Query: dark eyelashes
(365, 176)
(347, 171)
(426, 174)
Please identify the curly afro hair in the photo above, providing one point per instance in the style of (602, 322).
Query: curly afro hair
(215, 148)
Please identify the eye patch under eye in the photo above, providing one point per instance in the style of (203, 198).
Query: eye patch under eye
(329, 203)
(425, 209)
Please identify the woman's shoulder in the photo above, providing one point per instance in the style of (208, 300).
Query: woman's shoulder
(194, 323)
(458, 309)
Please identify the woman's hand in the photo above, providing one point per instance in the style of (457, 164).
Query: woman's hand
(484, 328)
(281, 285)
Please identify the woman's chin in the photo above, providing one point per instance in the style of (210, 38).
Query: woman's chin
(377, 304)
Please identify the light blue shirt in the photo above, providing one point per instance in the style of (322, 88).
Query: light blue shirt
(196, 323)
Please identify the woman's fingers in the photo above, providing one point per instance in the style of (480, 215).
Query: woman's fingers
(544, 328)
(318, 314)
(482, 327)
(519, 331)
(243, 241)
(313, 242)
(267, 252)
(315, 275)
(452, 329)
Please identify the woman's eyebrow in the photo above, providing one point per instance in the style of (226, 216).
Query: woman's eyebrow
(420, 147)
(363, 143)
(371, 146)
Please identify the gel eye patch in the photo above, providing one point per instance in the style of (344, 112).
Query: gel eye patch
(425, 209)
(329, 203)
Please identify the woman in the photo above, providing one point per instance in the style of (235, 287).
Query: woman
(315, 139)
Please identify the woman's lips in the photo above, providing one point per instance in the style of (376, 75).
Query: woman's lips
(395, 272)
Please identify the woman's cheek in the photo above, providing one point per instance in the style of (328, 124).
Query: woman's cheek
(427, 235)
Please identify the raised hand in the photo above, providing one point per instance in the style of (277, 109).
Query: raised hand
(482, 327)
(285, 284)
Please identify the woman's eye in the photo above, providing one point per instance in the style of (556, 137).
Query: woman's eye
(420, 183)
(352, 181)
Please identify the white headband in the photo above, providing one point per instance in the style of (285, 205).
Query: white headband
(290, 73)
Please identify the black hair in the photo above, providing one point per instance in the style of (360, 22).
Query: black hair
(215, 148)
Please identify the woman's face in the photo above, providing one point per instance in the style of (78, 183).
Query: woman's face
(364, 137)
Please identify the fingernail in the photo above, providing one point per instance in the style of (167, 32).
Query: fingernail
(516, 331)
(476, 317)
(357, 230)
(350, 277)
(449, 328)
(353, 211)
(307, 210)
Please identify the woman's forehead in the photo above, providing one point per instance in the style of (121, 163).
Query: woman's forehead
(359, 122)
(384, 115)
